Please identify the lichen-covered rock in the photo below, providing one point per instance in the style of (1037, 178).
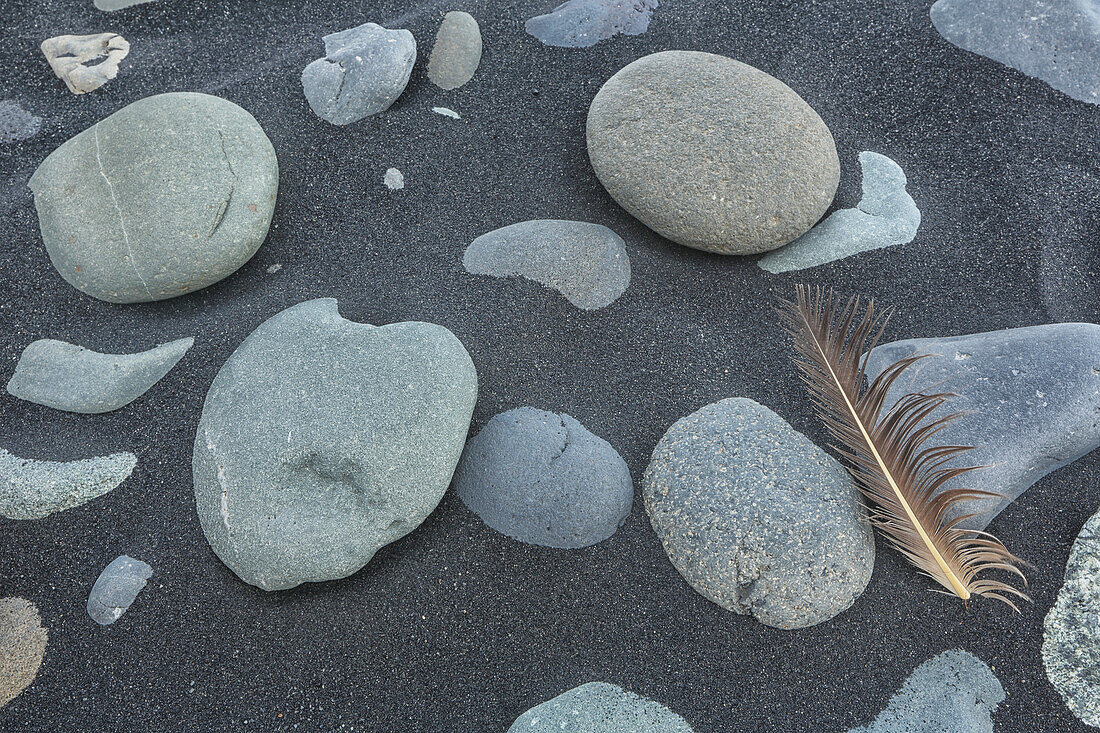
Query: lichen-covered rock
(544, 479)
(32, 489)
(598, 707)
(168, 195)
(1071, 633)
(68, 56)
(457, 51)
(322, 440)
(364, 71)
(756, 517)
(71, 378)
(116, 588)
(22, 646)
(712, 153)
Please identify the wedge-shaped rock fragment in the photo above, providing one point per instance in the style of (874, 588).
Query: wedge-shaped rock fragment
(69, 57)
(71, 378)
(116, 588)
(32, 489)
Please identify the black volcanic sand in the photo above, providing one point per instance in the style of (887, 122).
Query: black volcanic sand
(456, 627)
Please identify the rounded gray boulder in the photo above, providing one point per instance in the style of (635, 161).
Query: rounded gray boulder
(168, 195)
(322, 440)
(543, 479)
(712, 153)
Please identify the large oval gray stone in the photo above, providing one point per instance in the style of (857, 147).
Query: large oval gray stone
(457, 51)
(322, 440)
(756, 517)
(544, 479)
(168, 195)
(712, 153)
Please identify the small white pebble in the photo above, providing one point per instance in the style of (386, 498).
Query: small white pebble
(274, 268)
(394, 179)
(446, 112)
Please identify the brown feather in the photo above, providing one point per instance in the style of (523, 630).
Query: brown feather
(885, 448)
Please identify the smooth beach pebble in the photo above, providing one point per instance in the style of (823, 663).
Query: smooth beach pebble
(756, 517)
(457, 51)
(599, 707)
(322, 440)
(712, 153)
(168, 195)
(116, 588)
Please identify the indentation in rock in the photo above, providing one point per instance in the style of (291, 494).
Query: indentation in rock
(17, 123)
(598, 707)
(954, 692)
(69, 55)
(32, 489)
(22, 646)
(116, 588)
(885, 216)
(582, 23)
(587, 263)
(75, 379)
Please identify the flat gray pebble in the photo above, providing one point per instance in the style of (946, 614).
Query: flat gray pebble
(116, 588)
(756, 517)
(544, 479)
(954, 692)
(364, 71)
(583, 23)
(457, 51)
(322, 440)
(1033, 398)
(587, 263)
(31, 489)
(71, 378)
(598, 707)
(168, 195)
(712, 153)
(17, 123)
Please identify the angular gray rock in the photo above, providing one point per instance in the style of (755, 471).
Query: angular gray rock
(22, 646)
(954, 692)
(68, 56)
(168, 195)
(118, 4)
(712, 153)
(583, 23)
(598, 707)
(1071, 632)
(457, 51)
(587, 263)
(32, 489)
(17, 123)
(322, 440)
(1033, 395)
(756, 517)
(71, 378)
(543, 479)
(364, 71)
(1057, 41)
(116, 588)
(886, 215)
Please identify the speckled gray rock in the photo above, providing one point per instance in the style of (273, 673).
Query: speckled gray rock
(116, 588)
(587, 263)
(1033, 395)
(69, 377)
(583, 23)
(322, 440)
(457, 51)
(1057, 41)
(712, 153)
(22, 646)
(756, 517)
(544, 479)
(17, 123)
(886, 215)
(32, 489)
(1071, 633)
(168, 195)
(364, 71)
(954, 692)
(118, 4)
(598, 707)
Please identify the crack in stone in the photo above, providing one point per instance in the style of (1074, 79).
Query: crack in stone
(232, 187)
(118, 208)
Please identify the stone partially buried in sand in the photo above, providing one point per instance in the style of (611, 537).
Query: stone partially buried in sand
(756, 517)
(168, 195)
(583, 23)
(598, 707)
(544, 479)
(457, 51)
(31, 489)
(71, 378)
(712, 153)
(17, 123)
(322, 440)
(22, 646)
(364, 71)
